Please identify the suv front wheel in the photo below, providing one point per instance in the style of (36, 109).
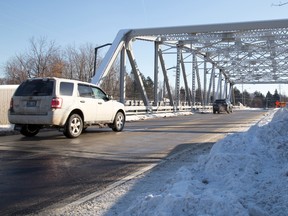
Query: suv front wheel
(119, 122)
(74, 126)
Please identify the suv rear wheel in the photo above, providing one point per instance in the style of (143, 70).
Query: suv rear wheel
(74, 126)
(29, 130)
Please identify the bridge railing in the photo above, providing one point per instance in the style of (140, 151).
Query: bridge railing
(132, 107)
(141, 110)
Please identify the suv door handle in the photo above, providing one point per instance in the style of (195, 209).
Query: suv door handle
(82, 101)
(99, 102)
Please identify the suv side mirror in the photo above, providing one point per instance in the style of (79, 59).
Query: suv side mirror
(109, 97)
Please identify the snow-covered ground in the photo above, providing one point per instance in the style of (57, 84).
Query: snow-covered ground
(243, 174)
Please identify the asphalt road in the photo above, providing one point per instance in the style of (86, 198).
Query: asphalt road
(51, 170)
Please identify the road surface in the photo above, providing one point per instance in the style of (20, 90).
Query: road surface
(50, 170)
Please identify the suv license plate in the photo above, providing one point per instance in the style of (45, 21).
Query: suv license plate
(31, 103)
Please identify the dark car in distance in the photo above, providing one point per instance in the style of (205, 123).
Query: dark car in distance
(222, 105)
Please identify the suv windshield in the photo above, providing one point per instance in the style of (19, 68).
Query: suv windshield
(37, 87)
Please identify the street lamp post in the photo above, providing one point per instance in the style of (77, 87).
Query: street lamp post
(95, 59)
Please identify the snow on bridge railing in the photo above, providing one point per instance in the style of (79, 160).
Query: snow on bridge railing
(141, 109)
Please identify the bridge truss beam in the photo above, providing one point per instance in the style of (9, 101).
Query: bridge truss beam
(228, 54)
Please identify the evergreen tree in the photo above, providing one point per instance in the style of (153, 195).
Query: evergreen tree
(276, 96)
(149, 86)
(258, 100)
(246, 98)
(182, 94)
(269, 102)
(237, 96)
(198, 96)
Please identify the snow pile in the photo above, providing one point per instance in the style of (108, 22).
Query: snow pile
(7, 130)
(244, 174)
(157, 115)
(6, 127)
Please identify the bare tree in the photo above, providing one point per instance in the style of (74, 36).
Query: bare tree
(42, 59)
(130, 87)
(17, 69)
(280, 4)
(3, 81)
(42, 56)
(111, 82)
(80, 62)
(57, 66)
(70, 57)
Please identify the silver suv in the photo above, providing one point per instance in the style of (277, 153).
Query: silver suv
(68, 105)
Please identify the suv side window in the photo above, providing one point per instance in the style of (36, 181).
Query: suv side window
(66, 88)
(99, 94)
(85, 91)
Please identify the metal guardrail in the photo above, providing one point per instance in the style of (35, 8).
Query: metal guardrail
(141, 110)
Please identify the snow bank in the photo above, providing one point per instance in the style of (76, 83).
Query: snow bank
(244, 174)
(6, 127)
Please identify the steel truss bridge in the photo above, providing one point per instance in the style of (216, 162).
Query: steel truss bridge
(216, 56)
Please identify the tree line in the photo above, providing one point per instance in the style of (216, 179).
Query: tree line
(45, 58)
(254, 100)
(257, 99)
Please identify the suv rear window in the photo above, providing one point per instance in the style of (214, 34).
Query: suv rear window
(37, 87)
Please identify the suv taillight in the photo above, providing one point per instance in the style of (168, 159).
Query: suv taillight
(11, 103)
(56, 103)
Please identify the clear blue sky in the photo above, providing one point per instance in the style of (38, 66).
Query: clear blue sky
(76, 22)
